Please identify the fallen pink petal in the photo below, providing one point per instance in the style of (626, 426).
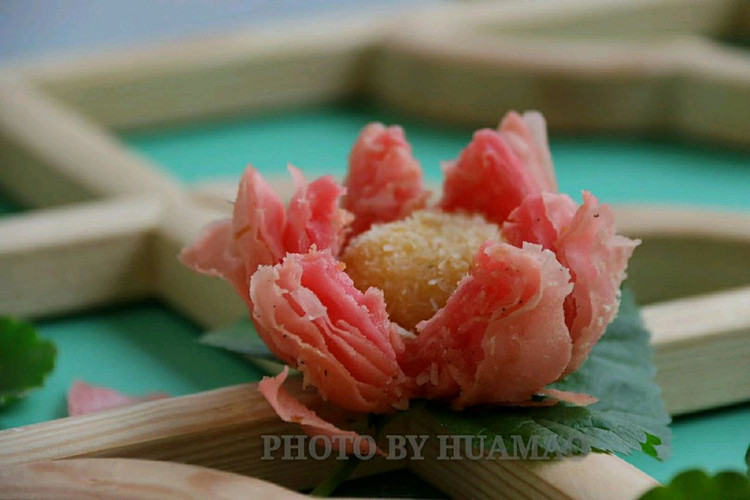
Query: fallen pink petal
(378, 296)
(85, 398)
(290, 409)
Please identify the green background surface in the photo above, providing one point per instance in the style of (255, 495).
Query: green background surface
(146, 347)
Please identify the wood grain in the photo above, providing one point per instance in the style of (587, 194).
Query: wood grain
(592, 477)
(220, 429)
(127, 479)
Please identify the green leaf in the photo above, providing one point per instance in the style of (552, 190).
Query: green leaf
(629, 415)
(25, 359)
(239, 337)
(242, 338)
(697, 485)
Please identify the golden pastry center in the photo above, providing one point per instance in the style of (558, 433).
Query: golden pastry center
(418, 261)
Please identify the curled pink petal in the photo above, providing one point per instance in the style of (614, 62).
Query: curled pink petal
(261, 232)
(488, 178)
(214, 253)
(85, 398)
(258, 222)
(527, 137)
(501, 337)
(384, 181)
(540, 218)
(576, 398)
(310, 314)
(290, 409)
(314, 217)
(584, 241)
(597, 259)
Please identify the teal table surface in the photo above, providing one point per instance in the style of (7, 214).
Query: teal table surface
(318, 141)
(146, 347)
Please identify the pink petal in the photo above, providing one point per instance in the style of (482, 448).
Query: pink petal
(527, 137)
(384, 181)
(576, 398)
(84, 398)
(214, 253)
(488, 178)
(540, 218)
(290, 409)
(310, 314)
(314, 216)
(501, 337)
(261, 232)
(584, 241)
(597, 259)
(258, 222)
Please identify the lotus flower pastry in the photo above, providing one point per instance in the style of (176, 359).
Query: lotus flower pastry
(378, 296)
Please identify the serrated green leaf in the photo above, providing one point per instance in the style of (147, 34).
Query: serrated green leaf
(629, 415)
(697, 485)
(25, 359)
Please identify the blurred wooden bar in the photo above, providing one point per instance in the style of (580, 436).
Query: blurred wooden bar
(72, 258)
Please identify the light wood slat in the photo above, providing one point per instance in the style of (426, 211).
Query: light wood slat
(52, 155)
(472, 67)
(607, 19)
(220, 429)
(647, 221)
(293, 63)
(118, 479)
(592, 477)
(65, 259)
(445, 62)
(702, 350)
(685, 251)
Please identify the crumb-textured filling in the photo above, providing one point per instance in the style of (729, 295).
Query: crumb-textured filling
(418, 261)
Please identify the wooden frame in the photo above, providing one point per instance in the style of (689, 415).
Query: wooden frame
(130, 220)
